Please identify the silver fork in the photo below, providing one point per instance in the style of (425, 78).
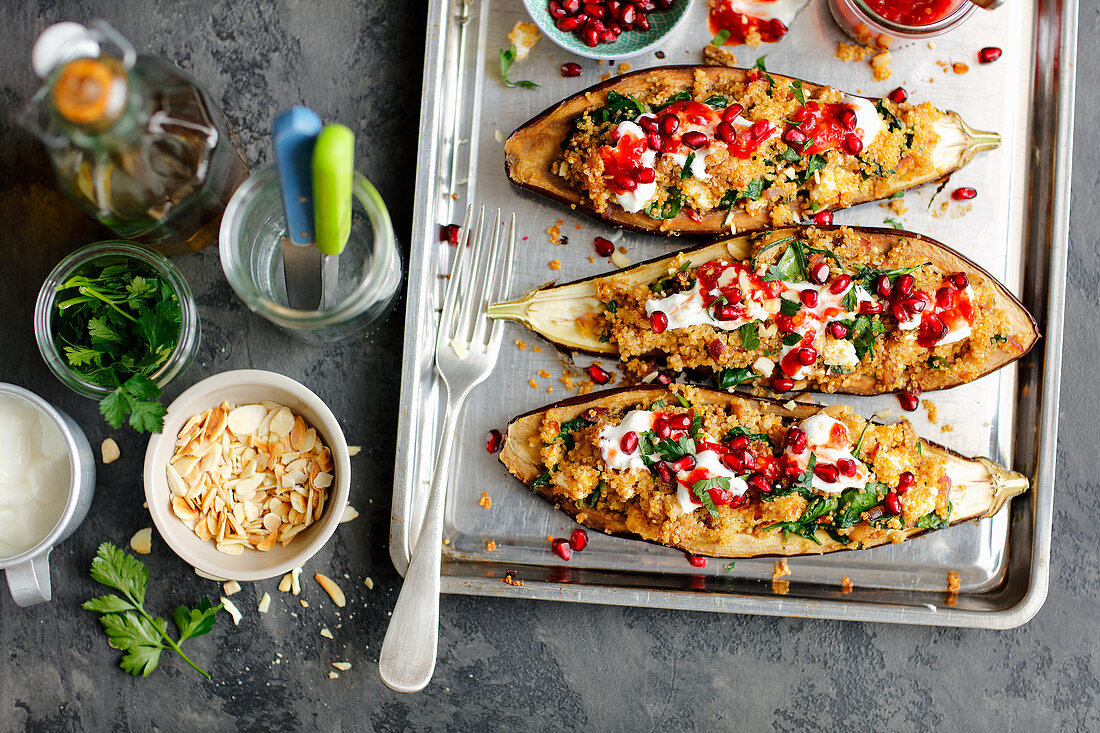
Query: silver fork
(466, 350)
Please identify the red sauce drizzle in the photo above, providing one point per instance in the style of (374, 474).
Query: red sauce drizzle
(694, 113)
(821, 123)
(724, 18)
(912, 12)
(789, 363)
(622, 161)
(952, 310)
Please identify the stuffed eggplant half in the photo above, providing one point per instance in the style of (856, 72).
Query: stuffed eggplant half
(725, 476)
(833, 309)
(702, 150)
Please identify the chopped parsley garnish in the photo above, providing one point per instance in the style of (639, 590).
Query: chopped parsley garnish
(789, 307)
(792, 339)
(893, 222)
(594, 497)
(750, 336)
(701, 491)
(507, 58)
(729, 567)
(863, 331)
(671, 450)
(720, 38)
(717, 100)
(796, 87)
(685, 172)
(998, 339)
(938, 362)
(759, 66)
(612, 306)
(740, 432)
(670, 208)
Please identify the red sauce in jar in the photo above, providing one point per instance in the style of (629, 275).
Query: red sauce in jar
(724, 18)
(912, 12)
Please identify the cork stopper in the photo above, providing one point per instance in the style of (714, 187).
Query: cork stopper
(89, 91)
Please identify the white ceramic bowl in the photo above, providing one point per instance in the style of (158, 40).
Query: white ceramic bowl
(244, 387)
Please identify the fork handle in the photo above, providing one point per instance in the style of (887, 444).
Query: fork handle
(409, 649)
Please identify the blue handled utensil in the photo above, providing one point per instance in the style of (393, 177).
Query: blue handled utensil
(294, 135)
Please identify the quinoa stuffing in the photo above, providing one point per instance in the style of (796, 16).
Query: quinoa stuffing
(673, 467)
(768, 143)
(817, 309)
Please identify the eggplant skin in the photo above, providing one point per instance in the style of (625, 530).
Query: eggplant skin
(534, 310)
(532, 148)
(980, 488)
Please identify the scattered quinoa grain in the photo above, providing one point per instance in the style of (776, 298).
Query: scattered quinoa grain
(555, 264)
(485, 501)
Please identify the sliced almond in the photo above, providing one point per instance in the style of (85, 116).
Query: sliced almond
(353, 450)
(175, 481)
(326, 633)
(285, 583)
(342, 666)
(232, 610)
(265, 603)
(297, 433)
(295, 583)
(267, 543)
(183, 510)
(142, 541)
(349, 514)
(369, 582)
(332, 589)
(231, 587)
(282, 422)
(323, 480)
(245, 419)
(109, 450)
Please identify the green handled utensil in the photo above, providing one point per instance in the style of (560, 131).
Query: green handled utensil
(333, 166)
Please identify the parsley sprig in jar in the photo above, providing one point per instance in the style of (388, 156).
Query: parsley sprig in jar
(116, 322)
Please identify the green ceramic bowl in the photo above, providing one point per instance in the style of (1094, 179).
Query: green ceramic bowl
(629, 43)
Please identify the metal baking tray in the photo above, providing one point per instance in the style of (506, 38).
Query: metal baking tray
(1016, 228)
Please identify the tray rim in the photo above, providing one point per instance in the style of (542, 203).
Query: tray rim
(1064, 78)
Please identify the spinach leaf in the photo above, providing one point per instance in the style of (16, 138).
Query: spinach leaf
(739, 432)
(730, 378)
(670, 208)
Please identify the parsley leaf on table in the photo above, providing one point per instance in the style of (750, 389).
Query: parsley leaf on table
(129, 626)
(507, 58)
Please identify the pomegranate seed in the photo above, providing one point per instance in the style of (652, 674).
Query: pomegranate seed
(561, 549)
(695, 561)
(778, 28)
(883, 286)
(846, 466)
(647, 175)
(782, 384)
(571, 68)
(916, 304)
(641, 23)
(840, 284)
(556, 10)
(604, 247)
(449, 233)
(594, 10)
(819, 273)
(625, 183)
(597, 25)
(989, 54)
(730, 461)
(892, 504)
(908, 400)
(870, 308)
(661, 427)
(616, 136)
(791, 469)
(759, 483)
(964, 194)
(720, 496)
(808, 298)
(739, 443)
(658, 322)
(607, 36)
(794, 136)
(904, 482)
(731, 113)
(725, 312)
(571, 6)
(824, 218)
(628, 15)
(945, 297)
(589, 35)
(494, 441)
(680, 422)
(629, 442)
(664, 472)
(838, 330)
(715, 348)
(827, 472)
(663, 377)
(694, 139)
(733, 294)
(654, 140)
(905, 285)
(568, 24)
(959, 281)
(795, 438)
(747, 458)
(933, 329)
(598, 374)
(683, 464)
(848, 119)
(852, 144)
(805, 355)
(761, 130)
(785, 324)
(648, 123)
(670, 123)
(900, 312)
(725, 133)
(898, 96)
(578, 539)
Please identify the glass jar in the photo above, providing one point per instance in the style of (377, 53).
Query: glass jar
(370, 271)
(869, 28)
(107, 252)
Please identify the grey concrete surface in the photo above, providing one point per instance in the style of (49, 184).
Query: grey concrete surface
(503, 664)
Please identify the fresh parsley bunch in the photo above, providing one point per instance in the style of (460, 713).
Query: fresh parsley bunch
(117, 324)
(129, 626)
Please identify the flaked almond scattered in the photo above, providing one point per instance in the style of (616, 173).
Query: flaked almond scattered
(232, 610)
(326, 633)
(295, 581)
(333, 675)
(248, 477)
(349, 514)
(231, 587)
(353, 450)
(142, 541)
(285, 583)
(367, 581)
(109, 450)
(332, 589)
(342, 666)
(304, 602)
(265, 603)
